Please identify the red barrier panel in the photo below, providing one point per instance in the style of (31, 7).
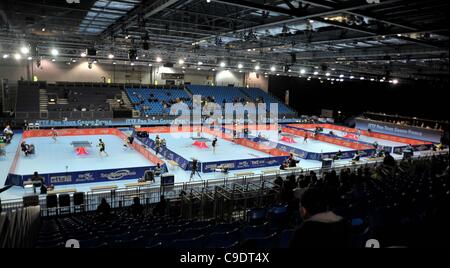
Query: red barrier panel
(69, 132)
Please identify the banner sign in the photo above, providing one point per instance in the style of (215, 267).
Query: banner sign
(208, 167)
(164, 151)
(90, 176)
(153, 121)
(411, 132)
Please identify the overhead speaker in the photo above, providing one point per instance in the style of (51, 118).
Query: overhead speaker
(91, 52)
(293, 58)
(132, 54)
(145, 46)
(168, 65)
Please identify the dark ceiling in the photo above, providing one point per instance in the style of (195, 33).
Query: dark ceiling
(391, 38)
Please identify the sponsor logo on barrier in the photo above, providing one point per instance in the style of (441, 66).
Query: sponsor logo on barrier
(86, 177)
(60, 179)
(118, 175)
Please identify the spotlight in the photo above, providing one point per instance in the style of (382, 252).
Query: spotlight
(223, 64)
(24, 50)
(240, 66)
(200, 63)
(110, 56)
(30, 58)
(395, 81)
(17, 56)
(53, 59)
(316, 73)
(327, 74)
(5, 56)
(83, 54)
(181, 62)
(273, 69)
(158, 59)
(257, 67)
(302, 71)
(54, 52)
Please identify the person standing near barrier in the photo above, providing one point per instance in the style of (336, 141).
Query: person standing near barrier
(157, 145)
(54, 135)
(8, 134)
(214, 143)
(305, 140)
(194, 169)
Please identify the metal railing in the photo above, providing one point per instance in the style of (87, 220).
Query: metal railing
(123, 197)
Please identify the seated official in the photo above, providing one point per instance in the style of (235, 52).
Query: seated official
(292, 162)
(149, 175)
(158, 170)
(8, 133)
(357, 157)
(338, 156)
(37, 181)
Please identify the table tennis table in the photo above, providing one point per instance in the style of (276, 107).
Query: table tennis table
(81, 147)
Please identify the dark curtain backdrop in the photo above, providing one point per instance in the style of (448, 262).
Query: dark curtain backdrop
(416, 98)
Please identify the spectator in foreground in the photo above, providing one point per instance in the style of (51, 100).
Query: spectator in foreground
(137, 208)
(389, 160)
(320, 228)
(104, 209)
(160, 208)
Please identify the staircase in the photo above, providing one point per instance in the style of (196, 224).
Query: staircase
(43, 100)
(126, 101)
(188, 91)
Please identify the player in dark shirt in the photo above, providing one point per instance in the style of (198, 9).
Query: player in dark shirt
(214, 143)
(102, 147)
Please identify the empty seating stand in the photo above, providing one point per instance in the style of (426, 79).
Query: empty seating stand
(157, 101)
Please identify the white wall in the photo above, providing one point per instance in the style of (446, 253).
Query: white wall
(224, 78)
(79, 72)
(255, 80)
(192, 76)
(75, 72)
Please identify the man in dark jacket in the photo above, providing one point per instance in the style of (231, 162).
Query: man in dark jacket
(320, 228)
(389, 160)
